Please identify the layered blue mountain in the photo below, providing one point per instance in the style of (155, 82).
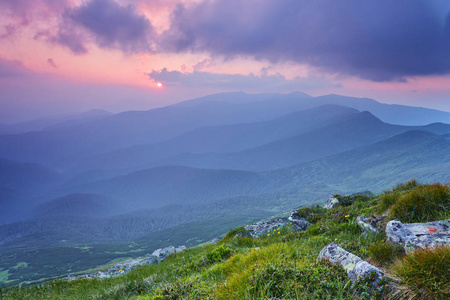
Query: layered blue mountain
(64, 146)
(354, 131)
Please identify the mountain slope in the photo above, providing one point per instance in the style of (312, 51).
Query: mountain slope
(413, 154)
(172, 184)
(356, 131)
(220, 139)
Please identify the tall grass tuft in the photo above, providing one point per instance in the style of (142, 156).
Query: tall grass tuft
(426, 273)
(423, 204)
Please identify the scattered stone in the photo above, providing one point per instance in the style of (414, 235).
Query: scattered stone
(354, 266)
(332, 202)
(261, 228)
(298, 224)
(418, 235)
(365, 225)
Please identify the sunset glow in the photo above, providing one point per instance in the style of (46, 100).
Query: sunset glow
(141, 44)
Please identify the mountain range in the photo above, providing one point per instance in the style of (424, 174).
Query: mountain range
(104, 178)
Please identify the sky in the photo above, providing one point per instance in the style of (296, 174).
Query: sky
(66, 56)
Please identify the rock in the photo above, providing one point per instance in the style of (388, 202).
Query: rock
(398, 233)
(125, 266)
(332, 202)
(354, 266)
(365, 225)
(428, 241)
(298, 224)
(441, 227)
(161, 254)
(261, 228)
(418, 235)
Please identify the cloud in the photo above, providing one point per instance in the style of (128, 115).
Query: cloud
(380, 40)
(12, 69)
(52, 63)
(251, 82)
(111, 25)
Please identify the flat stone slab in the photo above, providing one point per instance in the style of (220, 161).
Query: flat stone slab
(428, 241)
(418, 235)
(354, 266)
(441, 227)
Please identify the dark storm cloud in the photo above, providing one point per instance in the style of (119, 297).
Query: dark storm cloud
(113, 25)
(375, 39)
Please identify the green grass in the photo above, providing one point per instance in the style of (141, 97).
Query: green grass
(422, 204)
(426, 273)
(279, 266)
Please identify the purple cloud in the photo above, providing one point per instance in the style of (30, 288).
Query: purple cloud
(13, 68)
(52, 63)
(380, 40)
(111, 25)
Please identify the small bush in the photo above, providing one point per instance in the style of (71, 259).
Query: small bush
(423, 204)
(321, 280)
(218, 254)
(387, 200)
(311, 214)
(384, 253)
(412, 184)
(426, 272)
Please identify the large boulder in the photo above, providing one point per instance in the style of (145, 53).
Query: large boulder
(331, 202)
(398, 233)
(298, 223)
(261, 228)
(354, 266)
(418, 235)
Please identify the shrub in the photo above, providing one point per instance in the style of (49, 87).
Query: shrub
(387, 200)
(384, 253)
(423, 204)
(412, 184)
(218, 254)
(321, 280)
(426, 272)
(311, 214)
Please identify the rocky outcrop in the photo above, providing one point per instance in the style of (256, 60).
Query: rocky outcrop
(161, 254)
(298, 224)
(418, 235)
(354, 266)
(261, 228)
(125, 266)
(331, 202)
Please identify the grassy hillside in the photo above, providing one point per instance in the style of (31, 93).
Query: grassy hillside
(282, 264)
